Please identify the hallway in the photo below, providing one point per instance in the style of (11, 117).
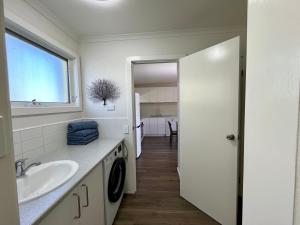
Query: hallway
(157, 201)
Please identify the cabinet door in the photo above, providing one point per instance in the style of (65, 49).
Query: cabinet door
(92, 198)
(65, 213)
(154, 95)
(161, 94)
(175, 94)
(168, 94)
(146, 95)
(161, 128)
(153, 126)
(143, 94)
(146, 126)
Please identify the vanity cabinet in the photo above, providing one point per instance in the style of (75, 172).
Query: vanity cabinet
(92, 196)
(84, 205)
(63, 213)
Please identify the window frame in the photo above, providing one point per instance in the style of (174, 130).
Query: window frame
(43, 41)
(28, 41)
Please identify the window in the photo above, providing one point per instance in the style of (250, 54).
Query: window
(35, 73)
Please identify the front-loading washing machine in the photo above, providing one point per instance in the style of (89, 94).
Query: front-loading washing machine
(114, 179)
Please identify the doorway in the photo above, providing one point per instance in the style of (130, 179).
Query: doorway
(221, 59)
(157, 200)
(156, 101)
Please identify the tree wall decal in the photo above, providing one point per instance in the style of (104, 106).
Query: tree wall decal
(103, 90)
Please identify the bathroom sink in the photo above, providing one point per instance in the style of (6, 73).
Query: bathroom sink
(42, 179)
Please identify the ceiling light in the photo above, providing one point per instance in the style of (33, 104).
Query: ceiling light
(103, 2)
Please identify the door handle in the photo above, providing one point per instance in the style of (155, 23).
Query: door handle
(86, 195)
(79, 207)
(136, 127)
(230, 137)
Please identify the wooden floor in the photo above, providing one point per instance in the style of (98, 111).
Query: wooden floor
(157, 201)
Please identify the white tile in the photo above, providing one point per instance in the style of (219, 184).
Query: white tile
(62, 138)
(31, 133)
(33, 155)
(54, 146)
(51, 147)
(57, 129)
(32, 144)
(17, 148)
(17, 136)
(17, 157)
(55, 135)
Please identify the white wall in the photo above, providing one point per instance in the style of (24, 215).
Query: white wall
(23, 14)
(8, 193)
(106, 58)
(272, 106)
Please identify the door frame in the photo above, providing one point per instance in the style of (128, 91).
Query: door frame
(131, 111)
(9, 210)
(131, 105)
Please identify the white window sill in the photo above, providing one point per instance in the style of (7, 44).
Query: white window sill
(40, 110)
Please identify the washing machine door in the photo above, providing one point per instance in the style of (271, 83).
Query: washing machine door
(116, 180)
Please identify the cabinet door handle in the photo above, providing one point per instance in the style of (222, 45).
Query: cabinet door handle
(86, 195)
(79, 207)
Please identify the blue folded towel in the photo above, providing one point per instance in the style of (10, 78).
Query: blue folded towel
(83, 125)
(78, 138)
(82, 140)
(83, 133)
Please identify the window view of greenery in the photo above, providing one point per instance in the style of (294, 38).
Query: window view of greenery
(35, 73)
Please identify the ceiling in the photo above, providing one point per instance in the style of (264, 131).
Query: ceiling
(155, 74)
(96, 18)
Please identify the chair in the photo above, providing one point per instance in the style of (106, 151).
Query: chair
(172, 133)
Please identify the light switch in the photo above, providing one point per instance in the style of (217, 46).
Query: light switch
(125, 129)
(2, 137)
(111, 108)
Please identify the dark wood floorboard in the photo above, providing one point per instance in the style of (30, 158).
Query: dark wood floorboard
(157, 201)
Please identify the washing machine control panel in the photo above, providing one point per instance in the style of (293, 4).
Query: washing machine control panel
(117, 152)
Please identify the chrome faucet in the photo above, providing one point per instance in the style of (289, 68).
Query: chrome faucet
(21, 169)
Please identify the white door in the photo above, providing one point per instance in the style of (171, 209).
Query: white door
(209, 104)
(8, 193)
(138, 125)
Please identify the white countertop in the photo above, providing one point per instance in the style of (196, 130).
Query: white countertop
(87, 156)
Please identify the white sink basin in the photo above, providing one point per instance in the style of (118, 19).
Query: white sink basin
(42, 179)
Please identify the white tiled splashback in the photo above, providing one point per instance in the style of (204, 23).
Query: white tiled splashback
(33, 142)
